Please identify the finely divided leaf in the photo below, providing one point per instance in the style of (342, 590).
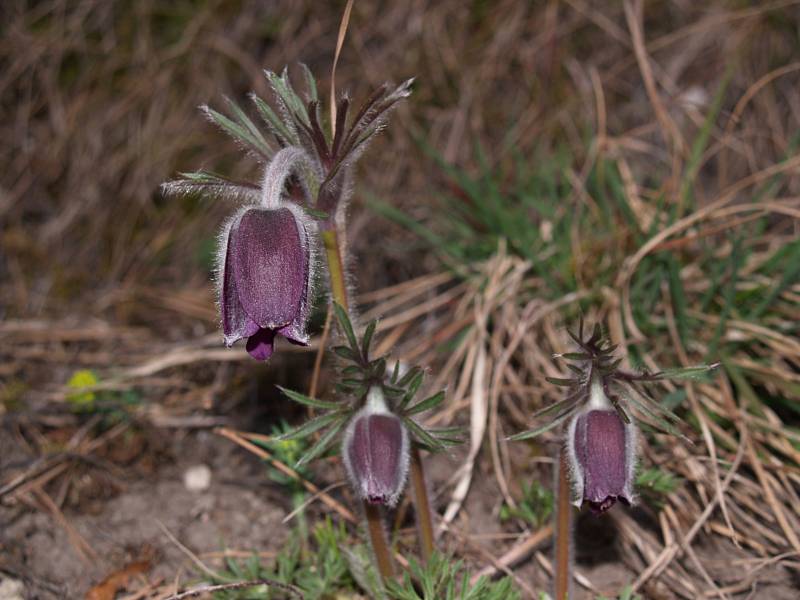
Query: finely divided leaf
(238, 132)
(311, 426)
(526, 435)
(422, 436)
(427, 404)
(346, 326)
(691, 373)
(308, 401)
(322, 444)
(367, 339)
(285, 135)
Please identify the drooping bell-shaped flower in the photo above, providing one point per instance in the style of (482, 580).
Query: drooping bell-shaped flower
(376, 452)
(264, 271)
(602, 453)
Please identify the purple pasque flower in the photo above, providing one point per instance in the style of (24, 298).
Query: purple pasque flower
(265, 268)
(601, 448)
(376, 451)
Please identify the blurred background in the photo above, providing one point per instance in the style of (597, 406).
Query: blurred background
(634, 163)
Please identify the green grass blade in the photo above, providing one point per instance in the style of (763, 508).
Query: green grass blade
(701, 141)
(791, 275)
(729, 298)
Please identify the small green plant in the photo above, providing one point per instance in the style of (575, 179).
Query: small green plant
(289, 451)
(443, 578)
(654, 485)
(318, 574)
(83, 397)
(534, 508)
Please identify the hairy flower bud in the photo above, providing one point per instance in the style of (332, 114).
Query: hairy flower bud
(602, 454)
(375, 451)
(264, 277)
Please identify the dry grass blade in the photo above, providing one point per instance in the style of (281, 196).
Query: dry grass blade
(339, 43)
(670, 551)
(517, 553)
(478, 418)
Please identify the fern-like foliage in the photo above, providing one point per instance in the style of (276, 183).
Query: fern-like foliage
(443, 578)
(359, 373)
(295, 121)
(594, 361)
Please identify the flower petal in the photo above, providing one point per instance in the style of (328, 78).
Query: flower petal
(261, 344)
(600, 447)
(376, 456)
(295, 333)
(269, 254)
(235, 322)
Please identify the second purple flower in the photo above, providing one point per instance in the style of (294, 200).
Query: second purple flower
(376, 452)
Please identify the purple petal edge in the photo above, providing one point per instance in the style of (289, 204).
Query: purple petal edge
(261, 344)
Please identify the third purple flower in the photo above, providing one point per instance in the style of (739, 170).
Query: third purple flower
(602, 452)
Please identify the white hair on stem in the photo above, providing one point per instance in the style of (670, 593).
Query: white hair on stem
(287, 161)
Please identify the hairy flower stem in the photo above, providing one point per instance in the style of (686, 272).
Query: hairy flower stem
(563, 531)
(421, 504)
(377, 536)
(333, 254)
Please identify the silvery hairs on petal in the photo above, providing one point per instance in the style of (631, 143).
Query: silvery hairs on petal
(219, 263)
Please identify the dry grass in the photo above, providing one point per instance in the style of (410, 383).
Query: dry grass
(98, 107)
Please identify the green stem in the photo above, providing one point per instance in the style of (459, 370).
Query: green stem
(383, 557)
(422, 507)
(563, 531)
(330, 240)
